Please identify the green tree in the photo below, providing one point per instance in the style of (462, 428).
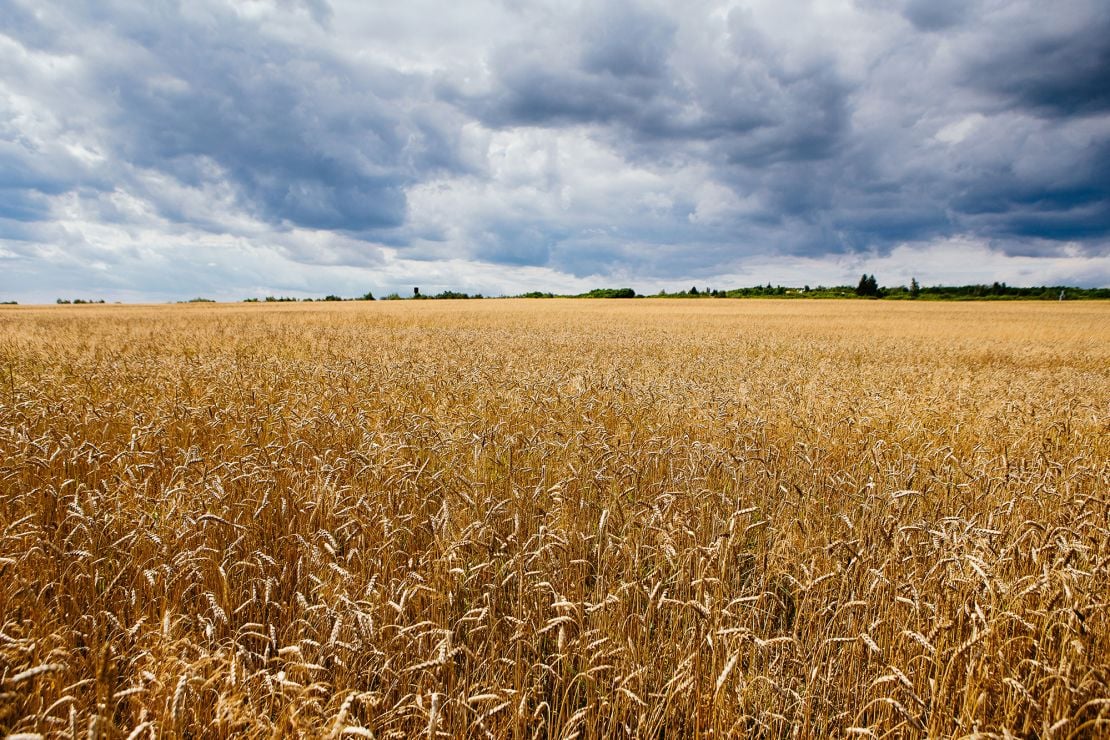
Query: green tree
(868, 287)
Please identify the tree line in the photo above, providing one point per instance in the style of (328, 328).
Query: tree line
(868, 287)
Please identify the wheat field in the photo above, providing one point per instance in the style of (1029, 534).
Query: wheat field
(509, 518)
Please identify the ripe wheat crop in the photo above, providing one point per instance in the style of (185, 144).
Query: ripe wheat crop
(555, 519)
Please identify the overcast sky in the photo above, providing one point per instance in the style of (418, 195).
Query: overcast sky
(159, 150)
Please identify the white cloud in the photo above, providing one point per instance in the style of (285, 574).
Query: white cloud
(957, 131)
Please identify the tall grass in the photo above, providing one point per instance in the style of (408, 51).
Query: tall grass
(513, 519)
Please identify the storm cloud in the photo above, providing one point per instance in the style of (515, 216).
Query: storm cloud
(160, 150)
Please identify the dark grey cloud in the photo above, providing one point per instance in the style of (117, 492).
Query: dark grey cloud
(626, 41)
(871, 187)
(937, 15)
(303, 135)
(302, 140)
(753, 104)
(1059, 69)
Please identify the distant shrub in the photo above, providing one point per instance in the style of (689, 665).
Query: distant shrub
(611, 293)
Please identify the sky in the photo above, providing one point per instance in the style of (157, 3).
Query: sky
(158, 151)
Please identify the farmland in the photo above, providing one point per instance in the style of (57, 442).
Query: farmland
(511, 518)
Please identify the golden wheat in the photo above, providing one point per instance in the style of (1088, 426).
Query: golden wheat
(555, 519)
